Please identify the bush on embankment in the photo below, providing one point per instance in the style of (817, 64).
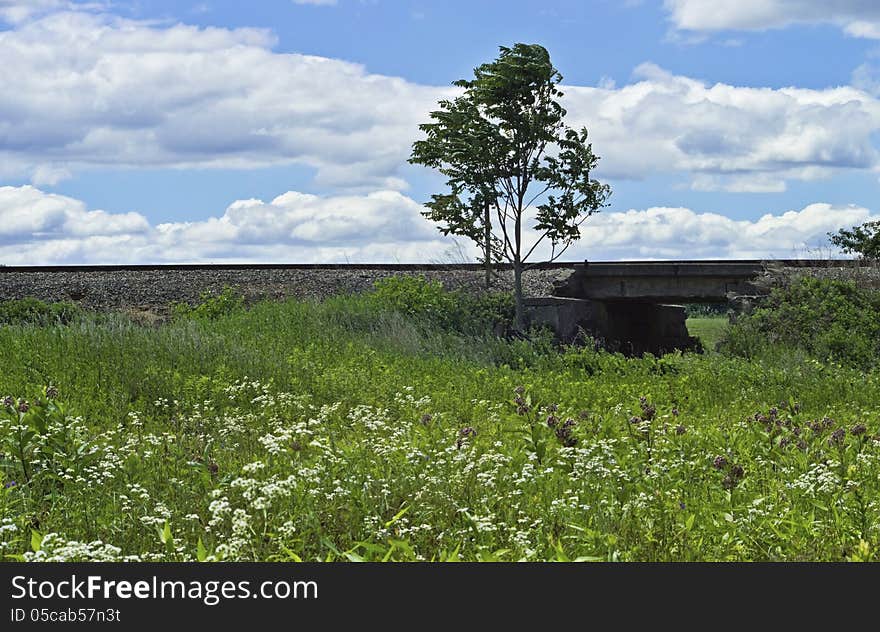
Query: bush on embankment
(32, 311)
(430, 302)
(831, 320)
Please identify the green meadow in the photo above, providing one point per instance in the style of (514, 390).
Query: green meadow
(352, 429)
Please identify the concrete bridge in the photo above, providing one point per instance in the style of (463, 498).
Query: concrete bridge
(662, 281)
(630, 306)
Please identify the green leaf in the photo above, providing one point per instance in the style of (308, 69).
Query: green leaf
(403, 545)
(201, 551)
(398, 516)
(165, 535)
(452, 556)
(290, 554)
(36, 540)
(541, 450)
(37, 420)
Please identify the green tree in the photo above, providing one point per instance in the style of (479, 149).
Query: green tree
(510, 160)
(861, 240)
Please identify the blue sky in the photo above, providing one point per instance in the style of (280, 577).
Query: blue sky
(436, 42)
(215, 130)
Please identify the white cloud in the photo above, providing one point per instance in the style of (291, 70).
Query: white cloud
(38, 228)
(17, 11)
(302, 220)
(759, 183)
(50, 174)
(84, 91)
(867, 77)
(858, 18)
(680, 233)
(751, 136)
(29, 215)
(43, 228)
(320, 3)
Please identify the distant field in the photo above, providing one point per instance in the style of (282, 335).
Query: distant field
(708, 329)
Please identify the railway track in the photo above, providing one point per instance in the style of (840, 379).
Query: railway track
(414, 267)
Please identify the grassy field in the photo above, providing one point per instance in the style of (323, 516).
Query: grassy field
(709, 329)
(302, 431)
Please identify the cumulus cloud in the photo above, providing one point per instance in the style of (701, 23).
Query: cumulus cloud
(83, 90)
(729, 137)
(858, 18)
(29, 215)
(16, 11)
(681, 233)
(758, 183)
(39, 228)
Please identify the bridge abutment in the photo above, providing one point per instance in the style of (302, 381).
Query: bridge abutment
(632, 307)
(632, 327)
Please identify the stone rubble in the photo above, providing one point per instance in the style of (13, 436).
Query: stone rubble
(155, 290)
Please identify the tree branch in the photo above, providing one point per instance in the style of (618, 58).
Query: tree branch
(537, 195)
(502, 221)
(561, 252)
(535, 245)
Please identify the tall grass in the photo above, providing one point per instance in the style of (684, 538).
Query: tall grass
(341, 430)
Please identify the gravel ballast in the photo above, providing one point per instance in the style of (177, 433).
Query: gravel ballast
(155, 290)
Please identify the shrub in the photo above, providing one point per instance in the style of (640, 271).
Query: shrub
(212, 306)
(429, 301)
(486, 310)
(830, 319)
(413, 296)
(32, 311)
(41, 443)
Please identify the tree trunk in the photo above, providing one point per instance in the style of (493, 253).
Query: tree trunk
(487, 238)
(518, 266)
(518, 295)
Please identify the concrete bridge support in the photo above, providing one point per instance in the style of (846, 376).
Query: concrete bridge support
(631, 306)
(632, 327)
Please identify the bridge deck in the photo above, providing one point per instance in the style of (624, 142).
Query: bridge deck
(666, 281)
(681, 269)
